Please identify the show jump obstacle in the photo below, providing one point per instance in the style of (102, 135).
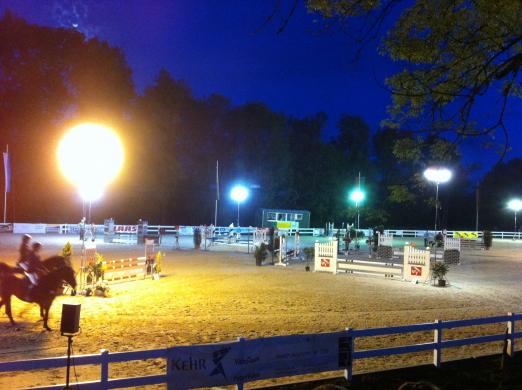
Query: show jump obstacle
(415, 267)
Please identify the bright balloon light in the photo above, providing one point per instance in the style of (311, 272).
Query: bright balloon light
(357, 196)
(438, 175)
(90, 156)
(239, 194)
(515, 205)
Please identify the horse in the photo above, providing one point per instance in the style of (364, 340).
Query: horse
(51, 283)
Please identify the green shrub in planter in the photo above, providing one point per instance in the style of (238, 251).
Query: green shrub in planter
(260, 254)
(439, 240)
(309, 253)
(439, 271)
(488, 239)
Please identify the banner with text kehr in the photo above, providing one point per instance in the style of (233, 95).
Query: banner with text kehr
(249, 360)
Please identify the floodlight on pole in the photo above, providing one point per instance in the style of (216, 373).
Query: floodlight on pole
(239, 194)
(516, 206)
(438, 176)
(357, 196)
(90, 156)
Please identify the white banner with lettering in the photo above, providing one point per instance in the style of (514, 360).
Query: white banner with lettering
(250, 360)
(33, 228)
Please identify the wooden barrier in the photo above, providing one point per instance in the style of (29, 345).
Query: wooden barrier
(124, 270)
(416, 264)
(388, 270)
(326, 256)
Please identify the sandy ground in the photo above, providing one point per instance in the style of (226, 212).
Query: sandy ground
(218, 295)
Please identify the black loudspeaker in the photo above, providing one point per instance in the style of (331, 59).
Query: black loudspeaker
(70, 324)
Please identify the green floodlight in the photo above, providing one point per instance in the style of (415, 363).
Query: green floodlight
(357, 196)
(515, 205)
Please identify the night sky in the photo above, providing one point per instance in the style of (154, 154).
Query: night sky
(217, 46)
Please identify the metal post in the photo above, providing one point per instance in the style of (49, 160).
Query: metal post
(515, 235)
(69, 349)
(436, 206)
(237, 214)
(477, 207)
(6, 168)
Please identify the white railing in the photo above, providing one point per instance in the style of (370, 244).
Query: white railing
(272, 357)
(171, 229)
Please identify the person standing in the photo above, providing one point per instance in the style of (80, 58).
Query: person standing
(82, 229)
(93, 232)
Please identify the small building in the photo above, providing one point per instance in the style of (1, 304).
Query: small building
(285, 219)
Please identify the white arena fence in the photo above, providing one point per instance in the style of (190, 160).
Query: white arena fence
(272, 357)
(65, 228)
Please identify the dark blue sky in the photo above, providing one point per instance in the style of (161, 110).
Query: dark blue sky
(213, 45)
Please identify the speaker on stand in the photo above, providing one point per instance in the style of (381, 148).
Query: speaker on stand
(70, 327)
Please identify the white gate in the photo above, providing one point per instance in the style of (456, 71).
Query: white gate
(326, 256)
(452, 243)
(416, 264)
(385, 239)
(260, 236)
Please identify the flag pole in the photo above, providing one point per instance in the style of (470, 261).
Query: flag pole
(217, 193)
(6, 171)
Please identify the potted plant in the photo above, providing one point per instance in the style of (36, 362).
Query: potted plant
(488, 239)
(439, 271)
(309, 255)
(260, 254)
(197, 238)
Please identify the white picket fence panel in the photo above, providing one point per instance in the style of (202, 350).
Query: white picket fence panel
(326, 256)
(416, 264)
(260, 236)
(385, 239)
(337, 351)
(451, 243)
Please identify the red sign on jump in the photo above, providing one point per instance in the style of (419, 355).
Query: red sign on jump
(325, 263)
(416, 271)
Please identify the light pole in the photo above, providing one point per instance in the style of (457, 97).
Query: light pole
(515, 205)
(90, 156)
(438, 176)
(239, 194)
(357, 196)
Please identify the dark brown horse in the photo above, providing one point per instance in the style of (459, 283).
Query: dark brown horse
(50, 285)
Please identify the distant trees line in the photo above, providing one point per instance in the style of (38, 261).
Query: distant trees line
(51, 78)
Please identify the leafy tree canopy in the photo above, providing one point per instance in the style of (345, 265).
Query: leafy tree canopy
(459, 56)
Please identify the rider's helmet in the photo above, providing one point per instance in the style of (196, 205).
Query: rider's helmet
(26, 238)
(37, 245)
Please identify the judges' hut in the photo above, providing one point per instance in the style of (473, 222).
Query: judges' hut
(285, 219)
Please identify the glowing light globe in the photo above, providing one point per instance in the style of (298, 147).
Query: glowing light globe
(438, 175)
(239, 194)
(357, 196)
(515, 205)
(90, 156)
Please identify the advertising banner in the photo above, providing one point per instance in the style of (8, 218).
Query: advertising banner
(126, 229)
(30, 228)
(250, 360)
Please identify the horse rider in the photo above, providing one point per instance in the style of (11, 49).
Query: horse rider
(33, 266)
(25, 249)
